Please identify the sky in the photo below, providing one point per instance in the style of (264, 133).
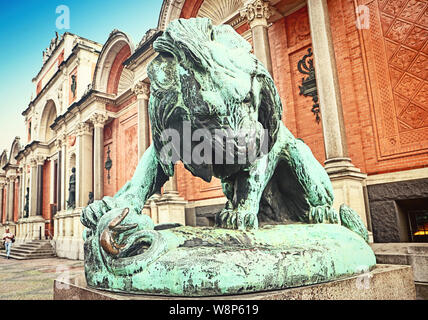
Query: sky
(26, 29)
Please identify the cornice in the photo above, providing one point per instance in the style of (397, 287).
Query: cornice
(64, 64)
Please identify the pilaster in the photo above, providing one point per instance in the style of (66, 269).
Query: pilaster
(347, 180)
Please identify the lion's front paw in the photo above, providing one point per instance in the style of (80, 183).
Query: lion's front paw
(92, 213)
(234, 219)
(323, 214)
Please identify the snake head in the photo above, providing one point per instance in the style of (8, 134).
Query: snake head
(110, 234)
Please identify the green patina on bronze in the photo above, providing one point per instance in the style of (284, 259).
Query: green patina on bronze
(206, 76)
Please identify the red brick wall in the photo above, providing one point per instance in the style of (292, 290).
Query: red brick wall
(383, 78)
(289, 41)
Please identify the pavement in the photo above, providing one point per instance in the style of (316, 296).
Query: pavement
(34, 279)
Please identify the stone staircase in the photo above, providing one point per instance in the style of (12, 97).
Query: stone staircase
(35, 249)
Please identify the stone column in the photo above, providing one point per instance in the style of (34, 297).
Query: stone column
(142, 91)
(10, 198)
(347, 180)
(19, 195)
(257, 13)
(22, 189)
(58, 190)
(1, 202)
(62, 184)
(98, 120)
(84, 168)
(33, 187)
(39, 188)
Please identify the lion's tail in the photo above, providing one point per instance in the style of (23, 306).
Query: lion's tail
(351, 220)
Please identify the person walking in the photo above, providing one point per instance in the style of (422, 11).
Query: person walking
(8, 238)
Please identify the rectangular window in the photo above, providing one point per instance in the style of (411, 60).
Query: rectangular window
(418, 221)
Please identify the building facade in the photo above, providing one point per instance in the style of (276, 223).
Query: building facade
(360, 106)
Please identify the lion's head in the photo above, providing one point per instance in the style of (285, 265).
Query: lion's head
(207, 75)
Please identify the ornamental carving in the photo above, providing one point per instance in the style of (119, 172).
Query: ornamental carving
(257, 12)
(40, 159)
(98, 119)
(83, 128)
(142, 90)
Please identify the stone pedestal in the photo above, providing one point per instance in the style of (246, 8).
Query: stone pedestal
(68, 235)
(384, 282)
(31, 228)
(412, 254)
(171, 209)
(348, 183)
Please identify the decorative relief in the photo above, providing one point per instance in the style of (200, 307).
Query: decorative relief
(425, 49)
(414, 116)
(423, 20)
(382, 3)
(420, 67)
(393, 7)
(403, 58)
(298, 27)
(417, 38)
(412, 10)
(422, 96)
(400, 103)
(400, 40)
(395, 75)
(399, 30)
(386, 22)
(407, 86)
